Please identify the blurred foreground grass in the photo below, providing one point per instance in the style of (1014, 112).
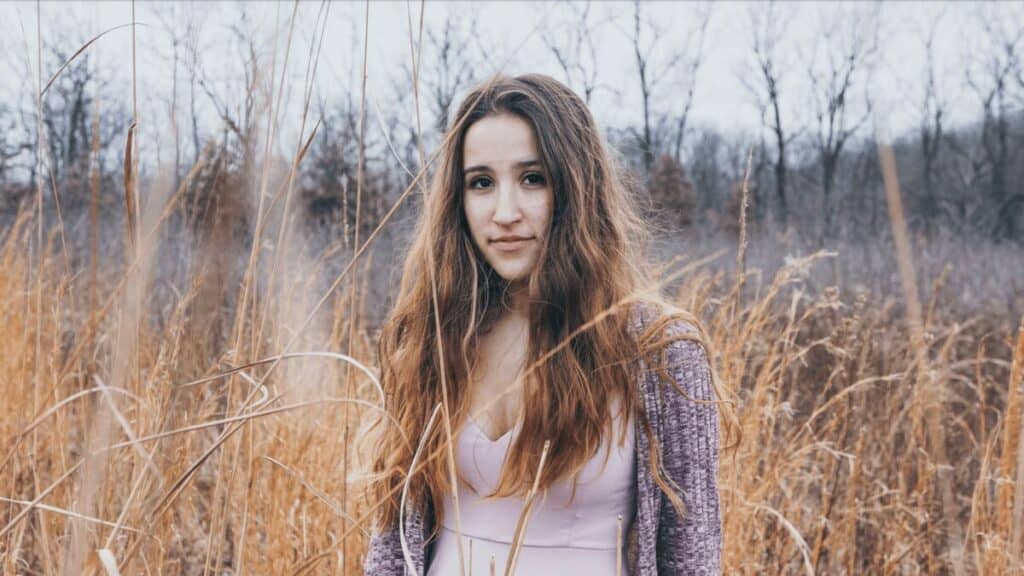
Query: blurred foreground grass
(112, 440)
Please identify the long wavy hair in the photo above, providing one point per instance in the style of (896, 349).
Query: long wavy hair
(593, 260)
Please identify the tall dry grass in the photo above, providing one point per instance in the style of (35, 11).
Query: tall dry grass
(174, 471)
(214, 425)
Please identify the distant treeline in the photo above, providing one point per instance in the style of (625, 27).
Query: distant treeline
(819, 181)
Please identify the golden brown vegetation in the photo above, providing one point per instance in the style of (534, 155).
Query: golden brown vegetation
(178, 435)
(116, 436)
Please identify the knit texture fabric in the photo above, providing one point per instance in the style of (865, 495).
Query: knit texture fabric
(660, 541)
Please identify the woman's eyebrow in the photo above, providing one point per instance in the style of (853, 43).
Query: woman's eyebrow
(484, 167)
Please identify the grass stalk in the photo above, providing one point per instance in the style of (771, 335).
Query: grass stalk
(928, 391)
(524, 516)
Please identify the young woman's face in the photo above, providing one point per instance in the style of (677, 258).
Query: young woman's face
(508, 198)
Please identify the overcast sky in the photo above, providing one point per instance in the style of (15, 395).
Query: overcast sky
(512, 33)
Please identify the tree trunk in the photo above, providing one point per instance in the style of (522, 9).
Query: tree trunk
(828, 183)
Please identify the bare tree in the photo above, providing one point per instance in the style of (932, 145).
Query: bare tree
(991, 80)
(453, 64)
(574, 47)
(167, 15)
(933, 109)
(647, 39)
(11, 148)
(847, 43)
(240, 118)
(706, 168)
(66, 115)
(691, 66)
(966, 168)
(193, 30)
(768, 23)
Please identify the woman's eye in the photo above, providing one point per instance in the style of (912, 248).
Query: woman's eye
(480, 182)
(534, 178)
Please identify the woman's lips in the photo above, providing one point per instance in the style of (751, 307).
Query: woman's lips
(511, 245)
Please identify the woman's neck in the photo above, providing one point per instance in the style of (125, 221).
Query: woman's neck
(516, 303)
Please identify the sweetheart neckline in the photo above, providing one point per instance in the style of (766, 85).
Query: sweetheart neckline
(483, 432)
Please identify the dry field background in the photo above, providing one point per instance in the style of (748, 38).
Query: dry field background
(197, 403)
(130, 434)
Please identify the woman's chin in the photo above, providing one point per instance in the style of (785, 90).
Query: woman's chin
(513, 272)
(514, 279)
(510, 272)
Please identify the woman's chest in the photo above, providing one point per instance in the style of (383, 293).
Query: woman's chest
(604, 477)
(582, 511)
(496, 387)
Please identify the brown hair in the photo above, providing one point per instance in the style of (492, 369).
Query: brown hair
(593, 259)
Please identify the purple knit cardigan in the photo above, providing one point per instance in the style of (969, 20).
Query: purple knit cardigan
(659, 542)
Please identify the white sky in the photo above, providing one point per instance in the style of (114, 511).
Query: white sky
(512, 32)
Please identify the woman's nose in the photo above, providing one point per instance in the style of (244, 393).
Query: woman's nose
(507, 209)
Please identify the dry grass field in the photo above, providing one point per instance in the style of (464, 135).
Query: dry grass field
(217, 423)
(136, 440)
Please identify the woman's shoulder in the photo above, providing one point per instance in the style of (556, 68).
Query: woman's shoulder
(673, 339)
(649, 317)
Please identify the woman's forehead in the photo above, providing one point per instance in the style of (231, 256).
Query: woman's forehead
(499, 141)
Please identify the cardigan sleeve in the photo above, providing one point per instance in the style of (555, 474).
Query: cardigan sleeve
(384, 554)
(690, 544)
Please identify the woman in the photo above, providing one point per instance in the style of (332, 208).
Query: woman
(530, 251)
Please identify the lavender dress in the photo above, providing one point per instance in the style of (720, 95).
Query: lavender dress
(560, 538)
